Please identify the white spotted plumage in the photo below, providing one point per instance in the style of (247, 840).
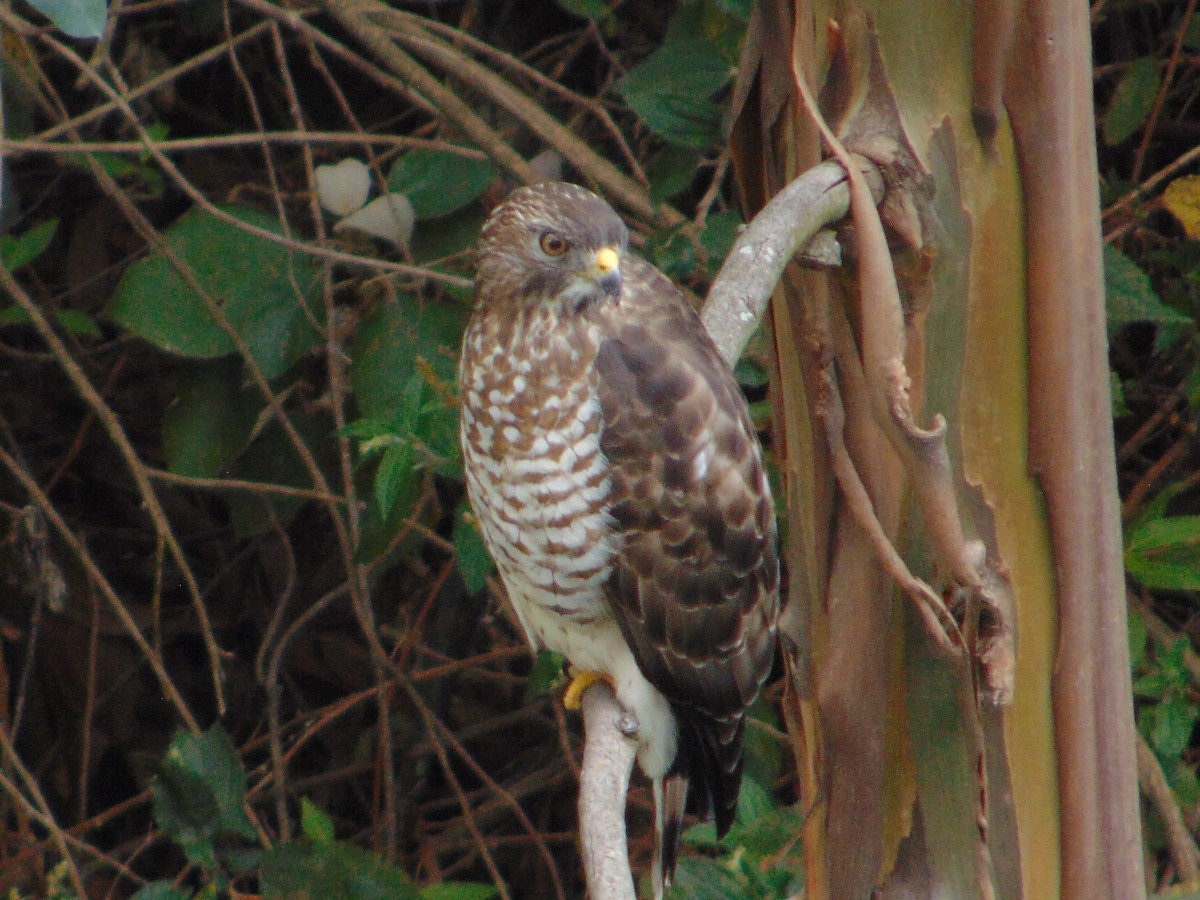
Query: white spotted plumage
(541, 509)
(619, 485)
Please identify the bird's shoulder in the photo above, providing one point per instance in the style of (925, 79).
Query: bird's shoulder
(654, 330)
(689, 495)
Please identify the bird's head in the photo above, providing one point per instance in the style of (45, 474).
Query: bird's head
(552, 242)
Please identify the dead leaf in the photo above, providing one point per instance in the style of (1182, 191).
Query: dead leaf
(1182, 198)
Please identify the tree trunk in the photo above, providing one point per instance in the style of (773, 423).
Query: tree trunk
(1005, 767)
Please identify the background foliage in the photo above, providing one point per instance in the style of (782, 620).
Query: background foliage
(251, 641)
(1146, 89)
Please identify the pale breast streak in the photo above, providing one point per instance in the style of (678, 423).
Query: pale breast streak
(538, 480)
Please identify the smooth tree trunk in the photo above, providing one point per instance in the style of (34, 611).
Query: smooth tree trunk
(959, 701)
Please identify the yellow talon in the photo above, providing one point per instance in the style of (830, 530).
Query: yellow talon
(580, 682)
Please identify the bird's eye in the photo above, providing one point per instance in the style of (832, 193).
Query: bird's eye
(553, 243)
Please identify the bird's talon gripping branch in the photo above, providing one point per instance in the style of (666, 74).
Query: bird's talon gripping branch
(580, 682)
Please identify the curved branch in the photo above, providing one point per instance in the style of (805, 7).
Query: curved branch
(608, 755)
(1180, 843)
(795, 215)
(355, 18)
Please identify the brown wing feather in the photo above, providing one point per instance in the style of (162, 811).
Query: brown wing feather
(695, 586)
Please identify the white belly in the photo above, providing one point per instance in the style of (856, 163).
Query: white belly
(542, 509)
(540, 494)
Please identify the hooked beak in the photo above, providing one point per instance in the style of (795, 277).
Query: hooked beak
(605, 271)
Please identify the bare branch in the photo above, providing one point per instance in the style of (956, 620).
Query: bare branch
(1180, 842)
(938, 622)
(617, 186)
(604, 782)
(791, 220)
(355, 17)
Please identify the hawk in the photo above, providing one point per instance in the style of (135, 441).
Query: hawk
(619, 486)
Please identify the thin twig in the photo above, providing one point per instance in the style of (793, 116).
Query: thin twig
(1145, 187)
(69, 125)
(456, 37)
(1139, 157)
(116, 434)
(101, 583)
(37, 808)
(1155, 788)
(238, 484)
(356, 17)
(616, 186)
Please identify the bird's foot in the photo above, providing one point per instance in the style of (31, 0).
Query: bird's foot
(580, 682)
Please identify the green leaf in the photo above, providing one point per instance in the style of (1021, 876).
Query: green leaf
(672, 251)
(200, 795)
(404, 365)
(397, 479)
(671, 171)
(768, 833)
(128, 170)
(1164, 554)
(750, 373)
(1174, 665)
(699, 878)
(596, 10)
(1154, 508)
(761, 827)
(474, 562)
(1132, 299)
(373, 437)
(397, 340)
(17, 250)
(764, 751)
(1137, 638)
(740, 9)
(74, 18)
(1191, 37)
(546, 676)
(447, 236)
(315, 824)
(1131, 101)
(1152, 685)
(1117, 390)
(1172, 719)
(267, 292)
(318, 871)
(78, 323)
(709, 21)
(1191, 386)
(70, 320)
(720, 231)
(161, 890)
(438, 182)
(211, 421)
(462, 890)
(272, 458)
(1184, 782)
(671, 92)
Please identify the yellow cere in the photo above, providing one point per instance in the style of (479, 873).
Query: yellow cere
(607, 259)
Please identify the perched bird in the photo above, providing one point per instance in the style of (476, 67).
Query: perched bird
(619, 485)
